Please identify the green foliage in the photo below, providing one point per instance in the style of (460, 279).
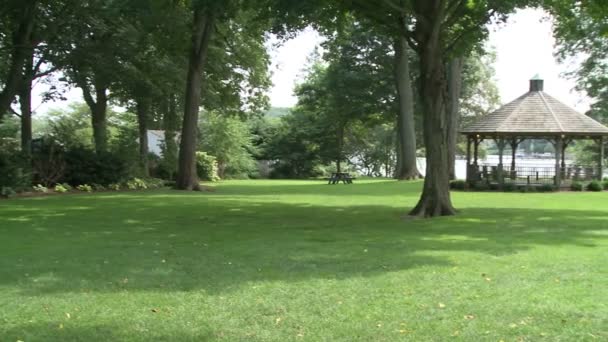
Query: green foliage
(546, 188)
(136, 184)
(509, 187)
(85, 188)
(206, 167)
(7, 192)
(40, 188)
(114, 186)
(594, 186)
(14, 168)
(576, 186)
(230, 141)
(60, 188)
(84, 166)
(605, 184)
(481, 186)
(458, 184)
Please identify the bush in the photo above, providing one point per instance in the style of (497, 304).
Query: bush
(206, 167)
(114, 186)
(605, 184)
(576, 186)
(48, 161)
(7, 191)
(60, 188)
(98, 187)
(85, 166)
(509, 187)
(481, 186)
(85, 188)
(526, 188)
(547, 188)
(594, 186)
(458, 184)
(40, 188)
(14, 167)
(136, 184)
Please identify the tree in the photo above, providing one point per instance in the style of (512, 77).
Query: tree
(439, 31)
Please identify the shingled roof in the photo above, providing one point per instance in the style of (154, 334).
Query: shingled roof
(536, 113)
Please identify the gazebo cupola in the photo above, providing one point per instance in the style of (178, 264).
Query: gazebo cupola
(533, 115)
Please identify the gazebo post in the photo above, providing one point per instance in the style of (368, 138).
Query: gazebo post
(600, 162)
(475, 149)
(468, 158)
(514, 144)
(558, 150)
(500, 142)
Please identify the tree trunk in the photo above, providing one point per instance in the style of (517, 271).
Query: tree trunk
(170, 125)
(143, 113)
(99, 121)
(21, 47)
(340, 146)
(25, 102)
(202, 31)
(406, 135)
(435, 199)
(453, 109)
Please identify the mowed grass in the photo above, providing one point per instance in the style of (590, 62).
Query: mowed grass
(303, 261)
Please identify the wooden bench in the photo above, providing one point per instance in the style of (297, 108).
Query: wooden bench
(336, 177)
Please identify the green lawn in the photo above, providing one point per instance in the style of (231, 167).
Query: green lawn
(303, 261)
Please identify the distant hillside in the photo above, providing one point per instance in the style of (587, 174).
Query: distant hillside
(277, 112)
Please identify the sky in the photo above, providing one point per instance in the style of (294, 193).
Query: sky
(524, 47)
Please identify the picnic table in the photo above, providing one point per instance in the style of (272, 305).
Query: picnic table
(344, 177)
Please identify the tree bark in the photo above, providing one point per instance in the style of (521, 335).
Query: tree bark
(21, 47)
(203, 23)
(25, 102)
(340, 147)
(143, 114)
(98, 107)
(435, 199)
(453, 108)
(170, 125)
(406, 135)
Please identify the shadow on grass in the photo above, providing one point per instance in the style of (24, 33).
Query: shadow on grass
(185, 242)
(81, 332)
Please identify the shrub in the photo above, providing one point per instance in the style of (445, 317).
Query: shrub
(136, 184)
(206, 167)
(14, 168)
(60, 188)
(509, 187)
(594, 186)
(40, 188)
(576, 186)
(67, 186)
(605, 184)
(547, 188)
(458, 184)
(481, 186)
(7, 191)
(48, 161)
(154, 183)
(85, 188)
(114, 186)
(85, 166)
(98, 187)
(526, 188)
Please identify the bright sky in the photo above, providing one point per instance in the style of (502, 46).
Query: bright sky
(524, 47)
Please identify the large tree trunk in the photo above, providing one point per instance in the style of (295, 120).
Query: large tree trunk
(435, 199)
(406, 135)
(98, 107)
(143, 113)
(99, 121)
(453, 108)
(202, 31)
(170, 125)
(21, 47)
(340, 147)
(25, 103)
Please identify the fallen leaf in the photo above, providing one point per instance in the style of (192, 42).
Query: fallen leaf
(469, 316)
(513, 325)
(67, 314)
(154, 310)
(278, 320)
(488, 279)
(441, 305)
(60, 326)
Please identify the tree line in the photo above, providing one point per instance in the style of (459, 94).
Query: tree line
(167, 59)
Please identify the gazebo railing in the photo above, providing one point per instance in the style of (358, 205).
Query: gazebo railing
(532, 174)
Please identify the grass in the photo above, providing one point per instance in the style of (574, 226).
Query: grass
(303, 261)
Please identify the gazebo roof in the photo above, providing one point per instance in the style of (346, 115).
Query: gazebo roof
(536, 113)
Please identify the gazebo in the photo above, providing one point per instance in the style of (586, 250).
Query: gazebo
(534, 115)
